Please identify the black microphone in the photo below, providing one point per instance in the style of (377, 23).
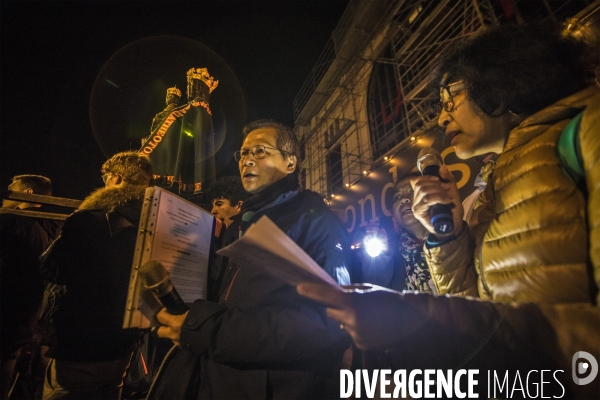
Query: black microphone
(156, 279)
(429, 162)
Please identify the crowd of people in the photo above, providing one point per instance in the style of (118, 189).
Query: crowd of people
(514, 287)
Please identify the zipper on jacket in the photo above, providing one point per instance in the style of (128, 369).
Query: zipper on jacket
(490, 188)
(108, 222)
(231, 284)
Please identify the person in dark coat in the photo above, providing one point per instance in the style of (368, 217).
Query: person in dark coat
(92, 258)
(23, 239)
(401, 266)
(260, 340)
(227, 196)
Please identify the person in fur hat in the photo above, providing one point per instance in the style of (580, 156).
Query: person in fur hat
(90, 352)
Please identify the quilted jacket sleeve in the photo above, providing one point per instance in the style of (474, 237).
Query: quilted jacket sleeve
(589, 135)
(451, 266)
(493, 335)
(456, 332)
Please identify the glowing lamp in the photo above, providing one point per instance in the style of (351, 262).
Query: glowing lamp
(373, 246)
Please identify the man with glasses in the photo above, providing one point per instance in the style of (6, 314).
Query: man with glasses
(259, 339)
(92, 259)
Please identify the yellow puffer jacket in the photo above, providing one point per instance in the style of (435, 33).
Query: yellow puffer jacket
(534, 250)
(528, 242)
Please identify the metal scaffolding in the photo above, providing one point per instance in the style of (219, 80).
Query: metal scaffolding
(369, 93)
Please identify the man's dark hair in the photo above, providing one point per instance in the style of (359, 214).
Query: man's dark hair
(38, 183)
(286, 138)
(520, 69)
(132, 166)
(227, 187)
(409, 175)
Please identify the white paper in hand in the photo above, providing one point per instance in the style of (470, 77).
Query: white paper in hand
(267, 247)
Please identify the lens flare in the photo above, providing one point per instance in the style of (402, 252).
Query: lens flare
(373, 245)
(130, 90)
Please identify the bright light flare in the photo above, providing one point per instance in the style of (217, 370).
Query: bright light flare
(373, 245)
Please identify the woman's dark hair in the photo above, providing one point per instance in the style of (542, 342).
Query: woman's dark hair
(514, 68)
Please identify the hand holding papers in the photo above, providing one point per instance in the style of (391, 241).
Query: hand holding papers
(268, 248)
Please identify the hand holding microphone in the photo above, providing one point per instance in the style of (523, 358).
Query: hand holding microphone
(156, 279)
(437, 203)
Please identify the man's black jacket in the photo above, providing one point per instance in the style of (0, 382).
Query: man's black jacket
(22, 241)
(262, 340)
(92, 258)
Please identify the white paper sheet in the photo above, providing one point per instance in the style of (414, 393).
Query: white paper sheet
(267, 247)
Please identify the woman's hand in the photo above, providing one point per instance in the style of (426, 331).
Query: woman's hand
(375, 317)
(431, 190)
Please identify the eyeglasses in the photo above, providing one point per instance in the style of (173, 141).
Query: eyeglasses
(258, 152)
(106, 176)
(447, 94)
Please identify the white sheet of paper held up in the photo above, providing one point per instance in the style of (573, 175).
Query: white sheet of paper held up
(265, 246)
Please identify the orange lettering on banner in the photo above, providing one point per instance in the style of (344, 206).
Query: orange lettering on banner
(157, 138)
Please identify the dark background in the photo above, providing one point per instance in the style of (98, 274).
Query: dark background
(81, 80)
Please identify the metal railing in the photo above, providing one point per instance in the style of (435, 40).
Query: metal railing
(39, 199)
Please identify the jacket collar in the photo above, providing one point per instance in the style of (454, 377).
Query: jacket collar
(111, 198)
(272, 194)
(537, 123)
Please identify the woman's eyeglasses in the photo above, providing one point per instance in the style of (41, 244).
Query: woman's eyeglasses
(258, 152)
(447, 94)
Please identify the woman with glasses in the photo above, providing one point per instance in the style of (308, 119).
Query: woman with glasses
(532, 245)
(512, 91)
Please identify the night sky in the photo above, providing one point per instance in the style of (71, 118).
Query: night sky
(83, 80)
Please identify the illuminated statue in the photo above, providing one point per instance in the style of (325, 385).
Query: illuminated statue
(181, 143)
(172, 100)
